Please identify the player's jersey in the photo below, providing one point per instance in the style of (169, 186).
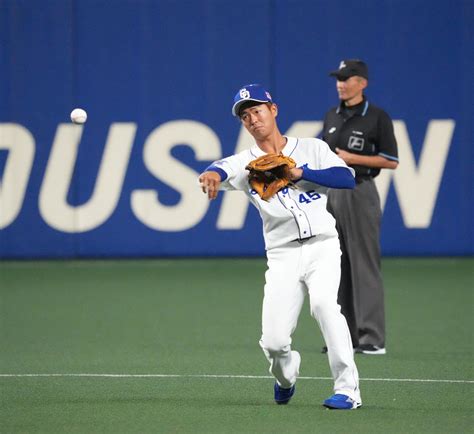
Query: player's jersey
(294, 213)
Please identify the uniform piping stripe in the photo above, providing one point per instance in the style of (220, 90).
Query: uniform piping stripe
(306, 216)
(388, 157)
(366, 107)
(296, 144)
(294, 215)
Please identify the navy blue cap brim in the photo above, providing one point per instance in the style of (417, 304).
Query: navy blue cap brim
(339, 74)
(344, 76)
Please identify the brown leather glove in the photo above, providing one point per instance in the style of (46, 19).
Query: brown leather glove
(270, 173)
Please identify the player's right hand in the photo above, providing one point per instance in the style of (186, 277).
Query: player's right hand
(209, 182)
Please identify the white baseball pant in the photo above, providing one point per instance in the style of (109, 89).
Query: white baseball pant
(295, 269)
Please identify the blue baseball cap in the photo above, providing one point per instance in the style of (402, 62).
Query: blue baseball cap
(250, 92)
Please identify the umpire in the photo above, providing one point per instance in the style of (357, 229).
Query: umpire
(362, 135)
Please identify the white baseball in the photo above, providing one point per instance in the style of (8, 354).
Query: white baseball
(78, 116)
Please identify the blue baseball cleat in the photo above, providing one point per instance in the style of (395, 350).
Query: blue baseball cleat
(283, 396)
(341, 402)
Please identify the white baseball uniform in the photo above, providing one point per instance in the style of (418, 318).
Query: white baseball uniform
(303, 257)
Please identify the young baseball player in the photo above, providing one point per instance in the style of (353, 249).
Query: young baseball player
(301, 243)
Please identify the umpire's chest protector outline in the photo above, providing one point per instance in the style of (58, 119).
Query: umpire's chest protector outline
(296, 212)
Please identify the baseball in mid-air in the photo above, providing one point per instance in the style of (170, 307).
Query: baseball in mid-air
(78, 116)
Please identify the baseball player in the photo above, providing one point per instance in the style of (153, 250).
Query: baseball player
(301, 242)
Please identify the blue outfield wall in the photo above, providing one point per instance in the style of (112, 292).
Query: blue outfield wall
(157, 79)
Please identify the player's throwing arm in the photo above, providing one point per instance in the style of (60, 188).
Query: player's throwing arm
(209, 182)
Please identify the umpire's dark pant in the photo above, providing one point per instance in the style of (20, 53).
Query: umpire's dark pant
(361, 294)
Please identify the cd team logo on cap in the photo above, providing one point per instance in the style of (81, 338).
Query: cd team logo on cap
(244, 93)
(250, 92)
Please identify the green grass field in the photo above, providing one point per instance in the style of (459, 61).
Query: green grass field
(181, 338)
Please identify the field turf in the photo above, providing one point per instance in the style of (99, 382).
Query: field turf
(171, 346)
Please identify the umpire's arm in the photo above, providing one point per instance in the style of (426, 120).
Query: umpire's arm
(376, 161)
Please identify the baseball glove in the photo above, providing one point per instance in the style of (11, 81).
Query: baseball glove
(270, 173)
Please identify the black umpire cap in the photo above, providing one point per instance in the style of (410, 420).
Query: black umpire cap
(350, 67)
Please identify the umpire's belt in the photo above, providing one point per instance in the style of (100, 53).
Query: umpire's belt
(362, 178)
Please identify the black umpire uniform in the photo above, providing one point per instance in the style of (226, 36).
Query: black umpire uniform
(366, 130)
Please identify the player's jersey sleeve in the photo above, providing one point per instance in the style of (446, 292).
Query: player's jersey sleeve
(234, 167)
(387, 143)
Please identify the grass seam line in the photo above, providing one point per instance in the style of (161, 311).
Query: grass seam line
(258, 377)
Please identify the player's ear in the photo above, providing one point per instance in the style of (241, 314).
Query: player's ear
(274, 109)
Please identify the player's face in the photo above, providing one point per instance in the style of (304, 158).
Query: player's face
(259, 120)
(350, 91)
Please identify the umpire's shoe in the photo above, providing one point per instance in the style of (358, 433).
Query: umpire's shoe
(283, 396)
(341, 402)
(370, 349)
